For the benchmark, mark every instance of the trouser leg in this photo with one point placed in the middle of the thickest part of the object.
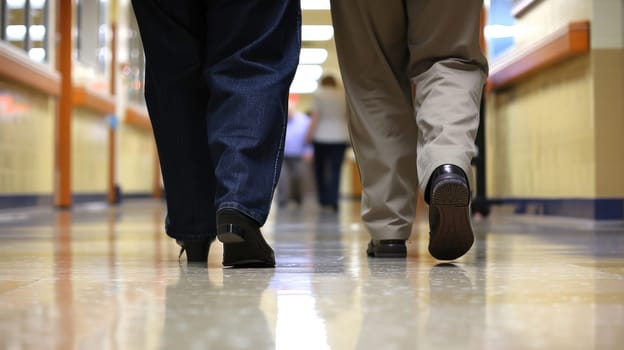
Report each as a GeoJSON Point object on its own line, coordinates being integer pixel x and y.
{"type": "Point", "coordinates": [290, 182]}
{"type": "Point", "coordinates": [448, 90]}
{"type": "Point", "coordinates": [334, 165]}
{"type": "Point", "coordinates": [252, 54]}
{"type": "Point", "coordinates": [319, 173]}
{"type": "Point", "coordinates": [383, 130]}
{"type": "Point", "coordinates": [219, 138]}
{"type": "Point", "coordinates": [283, 185]}
{"type": "Point", "coordinates": [176, 101]}
{"type": "Point", "coordinates": [296, 185]}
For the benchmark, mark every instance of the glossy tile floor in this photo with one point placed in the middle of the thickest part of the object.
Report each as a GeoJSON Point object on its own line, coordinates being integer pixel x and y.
{"type": "Point", "coordinates": [108, 278]}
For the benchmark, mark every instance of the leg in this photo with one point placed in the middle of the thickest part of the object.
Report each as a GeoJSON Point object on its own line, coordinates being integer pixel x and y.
{"type": "Point", "coordinates": [336, 158]}
{"type": "Point", "coordinates": [251, 58]}
{"type": "Point", "coordinates": [448, 91]}
{"type": "Point", "coordinates": [448, 94]}
{"type": "Point", "coordinates": [368, 34]}
{"type": "Point", "coordinates": [283, 185]}
{"type": "Point", "coordinates": [319, 173]}
{"type": "Point", "coordinates": [176, 100]}
{"type": "Point", "coordinates": [252, 54]}
{"type": "Point", "coordinates": [297, 167]}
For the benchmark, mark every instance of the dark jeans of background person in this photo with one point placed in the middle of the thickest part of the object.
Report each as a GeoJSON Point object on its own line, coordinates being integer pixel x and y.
{"type": "Point", "coordinates": [328, 158]}
{"type": "Point", "coordinates": [217, 80]}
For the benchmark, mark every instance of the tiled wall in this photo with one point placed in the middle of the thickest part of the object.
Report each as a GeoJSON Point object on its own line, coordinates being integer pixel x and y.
{"type": "Point", "coordinates": [27, 148]}
{"type": "Point", "coordinates": [608, 69]}
{"type": "Point", "coordinates": [558, 134]}
{"type": "Point", "coordinates": [26, 141]}
{"type": "Point", "coordinates": [548, 16]}
{"type": "Point", "coordinates": [89, 152]}
{"type": "Point", "coordinates": [540, 130]}
{"type": "Point", "coordinates": [136, 160]}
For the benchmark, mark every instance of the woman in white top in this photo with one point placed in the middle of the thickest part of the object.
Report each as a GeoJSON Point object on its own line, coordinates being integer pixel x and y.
{"type": "Point", "coordinates": [329, 134]}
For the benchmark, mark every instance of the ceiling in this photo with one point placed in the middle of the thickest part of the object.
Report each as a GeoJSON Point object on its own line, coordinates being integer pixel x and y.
{"type": "Point", "coordinates": [322, 17]}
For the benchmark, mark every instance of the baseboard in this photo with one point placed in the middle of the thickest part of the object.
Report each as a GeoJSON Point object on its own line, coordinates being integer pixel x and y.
{"type": "Point", "coordinates": [569, 223]}
{"type": "Point", "coordinates": [17, 201]}
{"type": "Point", "coordinates": [78, 198]}
{"type": "Point", "coordinates": [24, 200]}
{"type": "Point", "coordinates": [597, 209]}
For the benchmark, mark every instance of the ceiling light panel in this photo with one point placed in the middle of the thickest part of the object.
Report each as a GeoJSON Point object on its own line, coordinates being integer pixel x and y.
{"type": "Point", "coordinates": [312, 56]}
{"type": "Point", "coordinates": [316, 32]}
{"type": "Point", "coordinates": [315, 5]}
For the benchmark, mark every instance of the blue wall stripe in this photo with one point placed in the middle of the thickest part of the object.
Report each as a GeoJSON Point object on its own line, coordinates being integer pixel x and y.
{"type": "Point", "coordinates": [32, 200]}
{"type": "Point", "coordinates": [25, 200]}
{"type": "Point", "coordinates": [595, 209]}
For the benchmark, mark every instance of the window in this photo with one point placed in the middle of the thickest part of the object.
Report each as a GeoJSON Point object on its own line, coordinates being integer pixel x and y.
{"type": "Point", "coordinates": [25, 25]}
{"type": "Point", "coordinates": [134, 71]}
{"type": "Point", "coordinates": [499, 31]}
{"type": "Point", "coordinates": [91, 30]}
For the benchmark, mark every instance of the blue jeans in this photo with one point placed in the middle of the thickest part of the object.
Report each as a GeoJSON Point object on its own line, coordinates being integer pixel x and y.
{"type": "Point", "coordinates": [217, 80]}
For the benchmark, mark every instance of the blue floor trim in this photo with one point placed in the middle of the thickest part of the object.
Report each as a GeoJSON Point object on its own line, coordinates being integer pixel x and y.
{"type": "Point", "coordinates": [33, 200]}
{"type": "Point", "coordinates": [24, 200]}
{"type": "Point", "coordinates": [136, 196]}
{"type": "Point", "coordinates": [595, 209]}
{"type": "Point", "coordinates": [102, 197]}
{"type": "Point", "coordinates": [78, 198]}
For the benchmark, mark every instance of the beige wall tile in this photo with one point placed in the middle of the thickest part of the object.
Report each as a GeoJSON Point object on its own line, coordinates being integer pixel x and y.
{"type": "Point", "coordinates": [137, 152]}
{"type": "Point", "coordinates": [89, 152]}
{"type": "Point", "coordinates": [607, 24]}
{"type": "Point", "coordinates": [559, 133]}
{"type": "Point", "coordinates": [549, 16]}
{"type": "Point", "coordinates": [539, 130]}
{"type": "Point", "coordinates": [26, 141]}
{"type": "Point", "coordinates": [608, 70]}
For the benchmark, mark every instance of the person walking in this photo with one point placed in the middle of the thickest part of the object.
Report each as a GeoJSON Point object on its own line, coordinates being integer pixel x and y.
{"type": "Point", "coordinates": [413, 73]}
{"type": "Point", "coordinates": [217, 79]}
{"type": "Point", "coordinates": [296, 153]}
{"type": "Point", "coordinates": [330, 137]}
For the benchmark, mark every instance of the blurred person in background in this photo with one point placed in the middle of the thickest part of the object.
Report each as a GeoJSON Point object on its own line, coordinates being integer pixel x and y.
{"type": "Point", "coordinates": [217, 80]}
{"type": "Point", "coordinates": [297, 152]}
{"type": "Point", "coordinates": [330, 137]}
{"type": "Point", "coordinates": [407, 139]}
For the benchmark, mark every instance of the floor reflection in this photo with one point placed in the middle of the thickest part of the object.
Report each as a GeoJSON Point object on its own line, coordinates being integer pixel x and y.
{"type": "Point", "coordinates": [204, 311]}
{"type": "Point", "coordinates": [108, 277]}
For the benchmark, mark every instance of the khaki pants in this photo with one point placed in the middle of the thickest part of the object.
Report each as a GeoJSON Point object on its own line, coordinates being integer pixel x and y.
{"type": "Point", "coordinates": [399, 135]}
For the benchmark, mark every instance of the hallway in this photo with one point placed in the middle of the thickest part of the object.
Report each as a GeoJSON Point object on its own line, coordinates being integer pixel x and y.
{"type": "Point", "coordinates": [101, 277]}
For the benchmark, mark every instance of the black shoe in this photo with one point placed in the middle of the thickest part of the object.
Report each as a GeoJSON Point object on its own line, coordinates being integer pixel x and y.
{"type": "Point", "coordinates": [387, 248]}
{"type": "Point", "coordinates": [243, 244]}
{"type": "Point", "coordinates": [196, 251]}
{"type": "Point", "coordinates": [448, 196]}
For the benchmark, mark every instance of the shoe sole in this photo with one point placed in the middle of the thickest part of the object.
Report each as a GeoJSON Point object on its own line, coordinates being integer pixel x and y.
{"type": "Point", "coordinates": [387, 251]}
{"type": "Point", "coordinates": [454, 236]}
{"type": "Point", "coordinates": [245, 248]}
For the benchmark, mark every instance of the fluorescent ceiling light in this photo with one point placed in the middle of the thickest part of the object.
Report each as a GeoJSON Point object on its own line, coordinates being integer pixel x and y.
{"type": "Point", "coordinates": [312, 56]}
{"type": "Point", "coordinates": [306, 79]}
{"type": "Point", "coordinates": [303, 87]}
{"type": "Point", "coordinates": [315, 5]}
{"type": "Point", "coordinates": [308, 72]}
{"type": "Point", "coordinates": [316, 32]}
